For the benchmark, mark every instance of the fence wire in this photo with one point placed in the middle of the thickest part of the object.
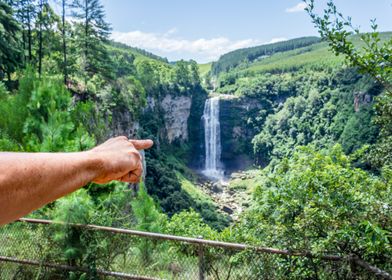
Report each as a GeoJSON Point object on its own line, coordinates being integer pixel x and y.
{"type": "Point", "coordinates": [55, 251]}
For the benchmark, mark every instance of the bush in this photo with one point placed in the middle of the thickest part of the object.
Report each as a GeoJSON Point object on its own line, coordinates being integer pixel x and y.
{"type": "Point", "coordinates": [318, 202]}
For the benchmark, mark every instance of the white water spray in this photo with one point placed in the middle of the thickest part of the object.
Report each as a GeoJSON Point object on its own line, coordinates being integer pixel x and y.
{"type": "Point", "coordinates": [213, 166]}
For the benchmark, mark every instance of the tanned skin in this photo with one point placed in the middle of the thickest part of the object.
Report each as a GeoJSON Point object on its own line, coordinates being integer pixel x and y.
{"type": "Point", "coordinates": [28, 181]}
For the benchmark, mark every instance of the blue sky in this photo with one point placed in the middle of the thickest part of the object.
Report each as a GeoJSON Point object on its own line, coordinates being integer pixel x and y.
{"type": "Point", "coordinates": [205, 29]}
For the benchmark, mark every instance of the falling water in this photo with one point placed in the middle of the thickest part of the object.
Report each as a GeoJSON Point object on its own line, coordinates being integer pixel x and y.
{"type": "Point", "coordinates": [213, 166]}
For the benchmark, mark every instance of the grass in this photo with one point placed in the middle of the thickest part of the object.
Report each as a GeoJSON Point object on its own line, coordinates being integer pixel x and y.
{"type": "Point", "coordinates": [192, 189]}
{"type": "Point", "coordinates": [317, 55]}
{"type": "Point", "coordinates": [253, 178]}
{"type": "Point", "coordinates": [129, 50]}
{"type": "Point", "coordinates": [204, 68]}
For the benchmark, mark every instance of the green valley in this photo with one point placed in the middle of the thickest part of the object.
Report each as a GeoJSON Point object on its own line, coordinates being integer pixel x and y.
{"type": "Point", "coordinates": [285, 146]}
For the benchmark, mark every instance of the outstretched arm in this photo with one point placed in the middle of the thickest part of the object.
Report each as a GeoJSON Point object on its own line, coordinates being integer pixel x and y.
{"type": "Point", "coordinates": [28, 181]}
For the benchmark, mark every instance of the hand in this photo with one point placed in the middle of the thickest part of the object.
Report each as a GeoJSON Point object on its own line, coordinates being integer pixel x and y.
{"type": "Point", "coordinates": [120, 160]}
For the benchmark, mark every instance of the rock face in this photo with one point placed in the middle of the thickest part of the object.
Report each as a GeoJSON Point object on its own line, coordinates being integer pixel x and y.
{"type": "Point", "coordinates": [176, 111]}
{"type": "Point", "coordinates": [124, 124]}
{"type": "Point", "coordinates": [178, 119]}
{"type": "Point", "coordinates": [361, 98]}
{"type": "Point", "coordinates": [236, 116]}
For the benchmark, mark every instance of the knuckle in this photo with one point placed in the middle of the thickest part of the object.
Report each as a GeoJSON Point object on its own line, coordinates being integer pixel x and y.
{"type": "Point", "coordinates": [136, 154]}
{"type": "Point", "coordinates": [121, 138]}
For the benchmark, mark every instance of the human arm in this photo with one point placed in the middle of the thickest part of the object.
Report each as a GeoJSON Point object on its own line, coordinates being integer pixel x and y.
{"type": "Point", "coordinates": [28, 181]}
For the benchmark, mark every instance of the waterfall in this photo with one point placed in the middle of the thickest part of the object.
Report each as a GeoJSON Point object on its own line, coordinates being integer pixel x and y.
{"type": "Point", "coordinates": [213, 166]}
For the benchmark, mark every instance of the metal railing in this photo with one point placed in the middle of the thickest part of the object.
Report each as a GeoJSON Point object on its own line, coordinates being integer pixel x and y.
{"type": "Point", "coordinates": [44, 249]}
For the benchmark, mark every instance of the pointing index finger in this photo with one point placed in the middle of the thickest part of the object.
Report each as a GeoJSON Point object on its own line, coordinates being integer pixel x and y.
{"type": "Point", "coordinates": [142, 144]}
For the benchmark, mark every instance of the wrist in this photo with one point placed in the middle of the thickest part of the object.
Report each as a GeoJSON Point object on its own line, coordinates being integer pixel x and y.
{"type": "Point", "coordinates": [94, 164]}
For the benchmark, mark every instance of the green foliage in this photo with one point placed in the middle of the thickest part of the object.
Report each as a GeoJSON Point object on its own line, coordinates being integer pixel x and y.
{"type": "Point", "coordinates": [374, 59]}
{"type": "Point", "coordinates": [10, 53]}
{"type": "Point", "coordinates": [49, 125]}
{"type": "Point", "coordinates": [164, 186]}
{"type": "Point", "coordinates": [147, 216]}
{"type": "Point", "coordinates": [242, 57]}
{"type": "Point", "coordinates": [323, 114]}
{"type": "Point", "coordinates": [139, 54]}
{"type": "Point", "coordinates": [76, 244]}
{"type": "Point", "coordinates": [375, 56]}
{"type": "Point", "coordinates": [189, 223]}
{"type": "Point", "coordinates": [90, 35]}
{"type": "Point", "coordinates": [147, 219]}
{"type": "Point", "coordinates": [318, 202]}
{"type": "Point", "coordinates": [13, 109]}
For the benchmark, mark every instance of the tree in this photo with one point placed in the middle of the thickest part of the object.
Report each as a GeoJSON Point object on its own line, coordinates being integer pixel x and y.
{"type": "Point", "coordinates": [92, 33]}
{"type": "Point", "coordinates": [374, 59]}
{"type": "Point", "coordinates": [26, 12]}
{"type": "Point", "coordinates": [42, 4]}
{"type": "Point", "coordinates": [317, 202]}
{"type": "Point", "coordinates": [64, 6]}
{"type": "Point", "coordinates": [148, 219]}
{"type": "Point", "coordinates": [181, 73]}
{"type": "Point", "coordinates": [194, 72]}
{"type": "Point", "coordinates": [10, 53]}
{"type": "Point", "coordinates": [375, 56]}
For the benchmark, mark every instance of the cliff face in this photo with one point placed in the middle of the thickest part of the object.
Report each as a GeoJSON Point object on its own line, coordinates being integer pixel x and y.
{"type": "Point", "coordinates": [123, 123]}
{"type": "Point", "coordinates": [172, 119]}
{"type": "Point", "coordinates": [176, 111]}
{"type": "Point", "coordinates": [177, 121]}
{"type": "Point", "coordinates": [236, 118]}
{"type": "Point", "coordinates": [172, 111]}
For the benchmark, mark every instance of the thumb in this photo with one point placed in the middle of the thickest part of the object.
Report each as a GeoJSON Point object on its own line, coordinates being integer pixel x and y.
{"type": "Point", "coordinates": [142, 144]}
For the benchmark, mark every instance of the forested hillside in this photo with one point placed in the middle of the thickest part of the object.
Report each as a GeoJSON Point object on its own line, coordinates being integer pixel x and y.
{"type": "Point", "coordinates": [306, 95]}
{"type": "Point", "coordinates": [242, 57]}
{"type": "Point", "coordinates": [65, 89]}
{"type": "Point", "coordinates": [319, 123]}
{"type": "Point", "coordinates": [305, 130]}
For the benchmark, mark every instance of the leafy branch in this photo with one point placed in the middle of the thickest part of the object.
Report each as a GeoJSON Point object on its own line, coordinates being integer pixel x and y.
{"type": "Point", "coordinates": [373, 58]}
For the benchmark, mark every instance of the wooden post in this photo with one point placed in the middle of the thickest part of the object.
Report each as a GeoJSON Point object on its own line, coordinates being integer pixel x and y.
{"type": "Point", "coordinates": [201, 260]}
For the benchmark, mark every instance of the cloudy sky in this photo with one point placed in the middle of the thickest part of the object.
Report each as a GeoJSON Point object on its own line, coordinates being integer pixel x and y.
{"type": "Point", "coordinates": [205, 29]}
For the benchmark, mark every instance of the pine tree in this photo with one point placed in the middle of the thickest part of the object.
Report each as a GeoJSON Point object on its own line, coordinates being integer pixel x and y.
{"type": "Point", "coordinates": [148, 219]}
{"type": "Point", "coordinates": [26, 11]}
{"type": "Point", "coordinates": [92, 34]}
{"type": "Point", "coordinates": [10, 54]}
{"type": "Point", "coordinates": [42, 3]}
{"type": "Point", "coordinates": [64, 5]}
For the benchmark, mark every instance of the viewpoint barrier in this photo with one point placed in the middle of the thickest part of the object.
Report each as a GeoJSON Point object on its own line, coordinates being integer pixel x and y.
{"type": "Point", "coordinates": [44, 249]}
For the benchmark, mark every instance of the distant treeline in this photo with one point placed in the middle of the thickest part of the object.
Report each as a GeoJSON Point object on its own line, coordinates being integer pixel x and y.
{"type": "Point", "coordinates": [140, 51]}
{"type": "Point", "coordinates": [235, 58]}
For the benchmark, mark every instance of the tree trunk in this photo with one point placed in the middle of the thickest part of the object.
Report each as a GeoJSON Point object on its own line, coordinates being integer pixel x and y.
{"type": "Point", "coordinates": [41, 6]}
{"type": "Point", "coordinates": [24, 45]}
{"type": "Point", "coordinates": [29, 36]}
{"type": "Point", "coordinates": [85, 41]}
{"type": "Point", "coordinates": [64, 45]}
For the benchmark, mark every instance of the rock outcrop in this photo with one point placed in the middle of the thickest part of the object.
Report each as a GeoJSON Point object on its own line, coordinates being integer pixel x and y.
{"type": "Point", "coordinates": [361, 98]}
{"type": "Point", "coordinates": [176, 111]}
{"type": "Point", "coordinates": [123, 123]}
{"type": "Point", "coordinates": [236, 115]}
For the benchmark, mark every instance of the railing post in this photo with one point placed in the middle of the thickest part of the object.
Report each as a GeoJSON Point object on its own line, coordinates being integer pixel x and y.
{"type": "Point", "coordinates": [201, 260]}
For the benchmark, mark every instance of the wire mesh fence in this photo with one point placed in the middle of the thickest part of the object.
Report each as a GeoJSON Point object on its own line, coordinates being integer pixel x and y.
{"type": "Point", "coordinates": [38, 249]}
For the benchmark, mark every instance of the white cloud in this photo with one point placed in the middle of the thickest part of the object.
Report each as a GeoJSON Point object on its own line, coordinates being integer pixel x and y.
{"type": "Point", "coordinates": [171, 31]}
{"type": "Point", "coordinates": [166, 44]}
{"type": "Point", "coordinates": [300, 7]}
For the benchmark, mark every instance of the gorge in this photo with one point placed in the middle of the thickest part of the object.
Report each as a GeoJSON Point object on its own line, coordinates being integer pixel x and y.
{"type": "Point", "coordinates": [285, 146]}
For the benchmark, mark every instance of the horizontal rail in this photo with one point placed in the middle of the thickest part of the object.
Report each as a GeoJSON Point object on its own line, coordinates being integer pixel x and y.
{"type": "Point", "coordinates": [220, 244]}
{"type": "Point", "coordinates": [75, 268]}
{"type": "Point", "coordinates": [211, 243]}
